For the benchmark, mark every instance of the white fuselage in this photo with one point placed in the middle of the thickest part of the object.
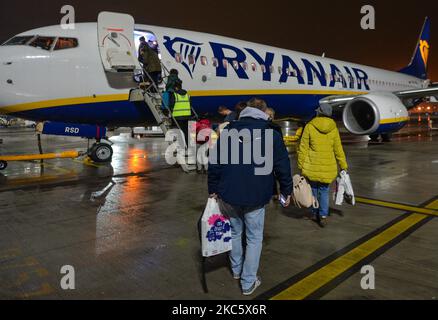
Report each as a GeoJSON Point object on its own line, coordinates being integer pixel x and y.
{"type": "Point", "coordinates": [71, 85]}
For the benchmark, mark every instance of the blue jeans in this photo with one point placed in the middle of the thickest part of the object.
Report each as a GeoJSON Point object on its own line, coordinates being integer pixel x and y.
{"type": "Point", "coordinates": [246, 266]}
{"type": "Point", "coordinates": [321, 192]}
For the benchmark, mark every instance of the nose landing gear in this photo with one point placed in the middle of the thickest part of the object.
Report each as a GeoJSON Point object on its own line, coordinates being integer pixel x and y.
{"type": "Point", "coordinates": [100, 152]}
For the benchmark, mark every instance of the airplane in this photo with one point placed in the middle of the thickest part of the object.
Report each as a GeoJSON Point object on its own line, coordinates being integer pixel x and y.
{"type": "Point", "coordinates": [80, 79]}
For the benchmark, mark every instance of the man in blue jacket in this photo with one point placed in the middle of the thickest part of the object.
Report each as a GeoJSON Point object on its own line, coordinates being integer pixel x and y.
{"type": "Point", "coordinates": [243, 184]}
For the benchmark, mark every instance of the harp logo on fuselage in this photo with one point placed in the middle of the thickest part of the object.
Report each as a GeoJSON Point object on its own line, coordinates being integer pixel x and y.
{"type": "Point", "coordinates": [184, 51]}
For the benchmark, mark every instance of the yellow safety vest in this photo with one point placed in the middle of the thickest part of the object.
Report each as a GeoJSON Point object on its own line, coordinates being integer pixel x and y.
{"type": "Point", "coordinates": [182, 106]}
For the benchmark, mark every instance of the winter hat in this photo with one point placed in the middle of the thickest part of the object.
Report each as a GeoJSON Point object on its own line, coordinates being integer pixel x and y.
{"type": "Point", "coordinates": [325, 109]}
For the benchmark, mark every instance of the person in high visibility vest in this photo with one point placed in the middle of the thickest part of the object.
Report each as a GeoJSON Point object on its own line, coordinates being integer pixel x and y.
{"type": "Point", "coordinates": [179, 103]}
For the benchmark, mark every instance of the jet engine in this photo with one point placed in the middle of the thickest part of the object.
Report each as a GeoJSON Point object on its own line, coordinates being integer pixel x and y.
{"type": "Point", "coordinates": [375, 113]}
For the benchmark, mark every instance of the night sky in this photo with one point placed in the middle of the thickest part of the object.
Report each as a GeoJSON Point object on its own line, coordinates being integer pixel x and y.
{"type": "Point", "coordinates": [310, 26]}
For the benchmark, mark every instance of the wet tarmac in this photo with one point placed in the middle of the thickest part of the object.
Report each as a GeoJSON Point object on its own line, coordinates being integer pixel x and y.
{"type": "Point", "coordinates": [129, 228]}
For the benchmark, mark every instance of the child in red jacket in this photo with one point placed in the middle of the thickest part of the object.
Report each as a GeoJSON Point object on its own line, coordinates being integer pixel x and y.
{"type": "Point", "coordinates": [203, 140]}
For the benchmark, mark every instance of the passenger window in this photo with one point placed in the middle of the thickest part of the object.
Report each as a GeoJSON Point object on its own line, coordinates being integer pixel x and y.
{"type": "Point", "coordinates": [18, 41]}
{"type": "Point", "coordinates": [66, 43]}
{"type": "Point", "coordinates": [178, 57]}
{"type": "Point", "coordinates": [253, 66]}
{"type": "Point", "coordinates": [263, 68]}
{"type": "Point", "coordinates": [244, 65]}
{"type": "Point", "coordinates": [215, 62]}
{"type": "Point", "coordinates": [204, 60]}
{"type": "Point", "coordinates": [271, 69]}
{"type": "Point", "coordinates": [42, 42]}
{"type": "Point", "coordinates": [225, 63]}
{"type": "Point", "coordinates": [191, 59]}
{"type": "Point", "coordinates": [280, 70]}
{"type": "Point", "coordinates": [235, 64]}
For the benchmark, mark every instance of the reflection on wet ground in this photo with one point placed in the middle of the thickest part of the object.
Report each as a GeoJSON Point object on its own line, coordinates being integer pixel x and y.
{"type": "Point", "coordinates": [129, 228]}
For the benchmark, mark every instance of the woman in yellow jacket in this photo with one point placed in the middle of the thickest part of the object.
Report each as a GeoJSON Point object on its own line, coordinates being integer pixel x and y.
{"type": "Point", "coordinates": [319, 152]}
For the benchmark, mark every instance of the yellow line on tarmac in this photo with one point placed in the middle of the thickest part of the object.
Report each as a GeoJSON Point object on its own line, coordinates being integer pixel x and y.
{"type": "Point", "coordinates": [327, 273]}
{"type": "Point", "coordinates": [36, 179]}
{"type": "Point", "coordinates": [87, 162]}
{"type": "Point", "coordinates": [58, 168]}
{"type": "Point", "coordinates": [330, 271]}
{"type": "Point", "coordinates": [398, 206]}
{"type": "Point", "coordinates": [433, 205]}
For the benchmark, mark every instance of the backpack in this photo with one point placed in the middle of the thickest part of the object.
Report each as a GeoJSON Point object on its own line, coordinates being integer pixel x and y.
{"type": "Point", "coordinates": [302, 193]}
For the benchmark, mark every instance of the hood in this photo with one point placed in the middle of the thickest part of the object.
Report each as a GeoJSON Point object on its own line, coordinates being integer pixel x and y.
{"type": "Point", "coordinates": [181, 92]}
{"type": "Point", "coordinates": [323, 124]}
{"type": "Point", "coordinates": [250, 112]}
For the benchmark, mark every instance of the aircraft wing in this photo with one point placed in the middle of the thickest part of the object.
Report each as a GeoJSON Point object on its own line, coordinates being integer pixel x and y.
{"type": "Point", "coordinates": [338, 100]}
{"type": "Point", "coordinates": [417, 93]}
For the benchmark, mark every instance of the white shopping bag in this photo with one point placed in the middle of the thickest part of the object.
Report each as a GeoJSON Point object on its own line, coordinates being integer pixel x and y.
{"type": "Point", "coordinates": [215, 230]}
{"type": "Point", "coordinates": [344, 189]}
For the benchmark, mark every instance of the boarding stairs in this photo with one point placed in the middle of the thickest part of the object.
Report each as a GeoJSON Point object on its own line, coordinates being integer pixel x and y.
{"type": "Point", "coordinates": [152, 95]}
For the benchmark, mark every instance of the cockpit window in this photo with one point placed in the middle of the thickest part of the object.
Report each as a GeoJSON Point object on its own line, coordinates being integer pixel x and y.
{"type": "Point", "coordinates": [42, 42]}
{"type": "Point", "coordinates": [66, 43]}
{"type": "Point", "coordinates": [18, 41]}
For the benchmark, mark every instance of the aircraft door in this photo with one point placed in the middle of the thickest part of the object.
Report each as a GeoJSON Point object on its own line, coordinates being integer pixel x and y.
{"type": "Point", "coordinates": [115, 33]}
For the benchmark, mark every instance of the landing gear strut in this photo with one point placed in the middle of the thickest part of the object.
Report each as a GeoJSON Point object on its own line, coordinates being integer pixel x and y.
{"type": "Point", "coordinates": [100, 152]}
{"type": "Point", "coordinates": [386, 137]}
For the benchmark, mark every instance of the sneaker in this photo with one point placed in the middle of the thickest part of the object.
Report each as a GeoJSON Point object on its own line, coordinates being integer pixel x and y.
{"type": "Point", "coordinates": [236, 276]}
{"type": "Point", "coordinates": [250, 291]}
{"type": "Point", "coordinates": [323, 221]}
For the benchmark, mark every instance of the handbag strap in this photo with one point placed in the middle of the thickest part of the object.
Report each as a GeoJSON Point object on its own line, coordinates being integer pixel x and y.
{"type": "Point", "coordinates": [296, 203]}
{"type": "Point", "coordinates": [315, 203]}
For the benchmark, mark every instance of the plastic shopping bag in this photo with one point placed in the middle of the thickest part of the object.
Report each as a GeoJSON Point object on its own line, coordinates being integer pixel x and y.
{"type": "Point", "coordinates": [215, 230]}
{"type": "Point", "coordinates": [338, 196]}
{"type": "Point", "coordinates": [344, 189]}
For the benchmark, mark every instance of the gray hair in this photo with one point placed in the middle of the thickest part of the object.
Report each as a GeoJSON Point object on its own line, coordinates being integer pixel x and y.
{"type": "Point", "coordinates": [258, 104]}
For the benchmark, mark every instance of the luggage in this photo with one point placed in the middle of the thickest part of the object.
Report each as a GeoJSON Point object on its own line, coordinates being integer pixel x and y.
{"type": "Point", "coordinates": [215, 230]}
{"type": "Point", "coordinates": [302, 193]}
{"type": "Point", "coordinates": [344, 189]}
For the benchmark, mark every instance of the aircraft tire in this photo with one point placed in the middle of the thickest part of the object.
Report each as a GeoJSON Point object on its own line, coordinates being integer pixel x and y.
{"type": "Point", "coordinates": [386, 137]}
{"type": "Point", "coordinates": [101, 152]}
{"type": "Point", "coordinates": [3, 165]}
{"type": "Point", "coordinates": [374, 137]}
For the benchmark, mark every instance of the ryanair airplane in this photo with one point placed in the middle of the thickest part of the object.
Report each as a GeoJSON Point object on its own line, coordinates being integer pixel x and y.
{"type": "Point", "coordinates": [84, 76]}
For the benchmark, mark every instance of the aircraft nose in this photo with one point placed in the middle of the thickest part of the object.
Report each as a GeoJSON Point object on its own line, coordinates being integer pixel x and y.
{"type": "Point", "coordinates": [8, 70]}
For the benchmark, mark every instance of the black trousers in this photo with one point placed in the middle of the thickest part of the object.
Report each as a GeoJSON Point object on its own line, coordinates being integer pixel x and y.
{"type": "Point", "coordinates": [184, 123]}
{"type": "Point", "coordinates": [155, 76]}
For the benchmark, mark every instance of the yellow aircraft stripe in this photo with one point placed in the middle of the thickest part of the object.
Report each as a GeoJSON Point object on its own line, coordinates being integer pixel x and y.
{"type": "Point", "coordinates": [120, 97]}
{"type": "Point", "coordinates": [324, 275]}
{"type": "Point", "coordinates": [397, 206]}
{"type": "Point", "coordinates": [394, 120]}
{"type": "Point", "coordinates": [63, 102]}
